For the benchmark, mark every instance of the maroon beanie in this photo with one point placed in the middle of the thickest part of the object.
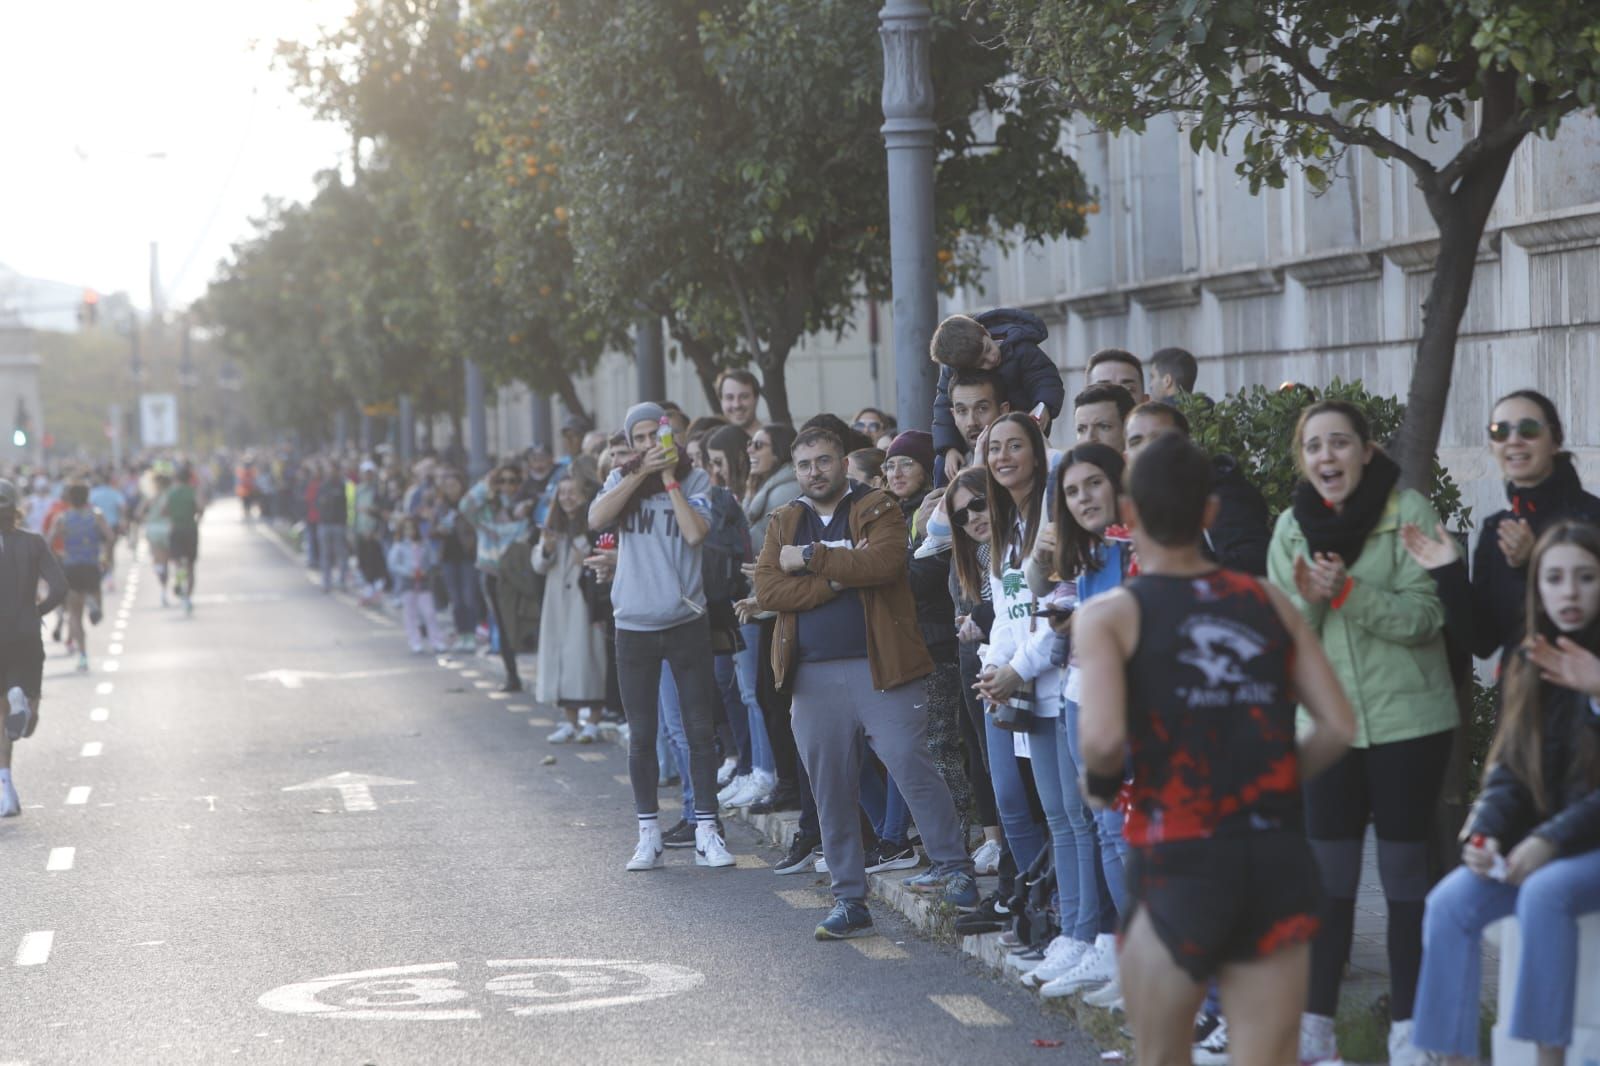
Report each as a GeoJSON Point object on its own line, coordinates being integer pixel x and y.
{"type": "Point", "coordinates": [915, 444]}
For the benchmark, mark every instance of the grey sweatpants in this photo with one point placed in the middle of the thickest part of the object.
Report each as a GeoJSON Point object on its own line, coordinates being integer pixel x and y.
{"type": "Point", "coordinates": [836, 714]}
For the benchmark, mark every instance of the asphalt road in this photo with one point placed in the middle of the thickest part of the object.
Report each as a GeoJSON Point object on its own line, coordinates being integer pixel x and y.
{"type": "Point", "coordinates": [165, 898]}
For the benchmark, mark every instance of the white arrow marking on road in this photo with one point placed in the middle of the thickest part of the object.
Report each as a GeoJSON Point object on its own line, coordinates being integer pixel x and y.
{"type": "Point", "coordinates": [354, 789]}
{"type": "Point", "coordinates": [298, 678]}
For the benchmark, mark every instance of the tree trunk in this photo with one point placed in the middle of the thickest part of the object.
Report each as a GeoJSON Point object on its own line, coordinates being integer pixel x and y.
{"type": "Point", "coordinates": [568, 391]}
{"type": "Point", "coordinates": [775, 387]}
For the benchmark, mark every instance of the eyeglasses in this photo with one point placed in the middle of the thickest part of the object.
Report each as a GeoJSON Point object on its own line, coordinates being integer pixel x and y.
{"type": "Point", "coordinates": [976, 505]}
{"type": "Point", "coordinates": [896, 466]}
{"type": "Point", "coordinates": [1526, 428]}
{"type": "Point", "coordinates": [867, 425]}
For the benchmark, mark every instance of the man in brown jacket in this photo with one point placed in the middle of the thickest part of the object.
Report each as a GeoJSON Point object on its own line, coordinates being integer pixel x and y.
{"type": "Point", "coordinates": [847, 645]}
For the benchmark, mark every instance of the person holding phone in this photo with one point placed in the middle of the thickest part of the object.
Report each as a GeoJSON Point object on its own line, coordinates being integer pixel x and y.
{"type": "Point", "coordinates": [661, 509]}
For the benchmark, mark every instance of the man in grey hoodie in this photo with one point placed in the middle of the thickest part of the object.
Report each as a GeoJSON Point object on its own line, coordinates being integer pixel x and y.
{"type": "Point", "coordinates": [25, 560]}
{"type": "Point", "coordinates": [659, 505]}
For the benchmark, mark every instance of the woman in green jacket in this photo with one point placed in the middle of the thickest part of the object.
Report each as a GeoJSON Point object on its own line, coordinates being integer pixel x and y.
{"type": "Point", "coordinates": [1338, 554]}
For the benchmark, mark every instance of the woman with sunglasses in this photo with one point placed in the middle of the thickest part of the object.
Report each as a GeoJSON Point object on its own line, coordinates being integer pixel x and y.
{"type": "Point", "coordinates": [499, 520]}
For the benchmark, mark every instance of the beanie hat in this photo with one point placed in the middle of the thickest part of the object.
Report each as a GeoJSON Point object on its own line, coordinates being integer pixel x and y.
{"type": "Point", "coordinates": [640, 412]}
{"type": "Point", "coordinates": [915, 444]}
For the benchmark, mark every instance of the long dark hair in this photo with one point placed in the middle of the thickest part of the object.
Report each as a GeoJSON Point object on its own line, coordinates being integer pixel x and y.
{"type": "Point", "coordinates": [558, 521]}
{"type": "Point", "coordinates": [963, 549]}
{"type": "Point", "coordinates": [1075, 546]}
{"type": "Point", "coordinates": [780, 438]}
{"type": "Point", "coordinates": [1519, 742]}
{"type": "Point", "coordinates": [1003, 509]}
{"type": "Point", "coordinates": [733, 443]}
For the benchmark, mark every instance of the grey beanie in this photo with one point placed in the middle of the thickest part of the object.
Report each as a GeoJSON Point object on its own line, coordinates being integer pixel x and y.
{"type": "Point", "coordinates": [640, 412]}
{"type": "Point", "coordinates": [8, 493]}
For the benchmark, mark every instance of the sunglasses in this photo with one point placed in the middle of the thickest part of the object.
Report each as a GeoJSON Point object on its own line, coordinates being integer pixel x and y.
{"type": "Point", "coordinates": [1526, 428]}
{"type": "Point", "coordinates": [867, 426]}
{"type": "Point", "coordinates": [758, 446]}
{"type": "Point", "coordinates": [976, 505]}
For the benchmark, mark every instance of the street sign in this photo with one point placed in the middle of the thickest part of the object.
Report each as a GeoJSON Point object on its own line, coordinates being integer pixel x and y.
{"type": "Point", "coordinates": [158, 420]}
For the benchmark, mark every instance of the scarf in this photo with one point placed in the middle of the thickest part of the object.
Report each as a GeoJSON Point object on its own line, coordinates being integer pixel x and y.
{"type": "Point", "coordinates": [1549, 500]}
{"type": "Point", "coordinates": [1344, 533]}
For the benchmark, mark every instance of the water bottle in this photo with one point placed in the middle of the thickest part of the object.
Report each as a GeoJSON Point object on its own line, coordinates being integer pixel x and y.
{"type": "Point", "coordinates": [664, 438]}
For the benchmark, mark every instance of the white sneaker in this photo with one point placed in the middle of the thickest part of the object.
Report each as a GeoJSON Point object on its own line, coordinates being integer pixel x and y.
{"type": "Point", "coordinates": [648, 855]}
{"type": "Point", "coordinates": [10, 804]}
{"type": "Point", "coordinates": [624, 734]}
{"type": "Point", "coordinates": [754, 790]}
{"type": "Point", "coordinates": [588, 733]}
{"type": "Point", "coordinates": [821, 865]}
{"type": "Point", "coordinates": [732, 789]}
{"type": "Point", "coordinates": [1060, 957]}
{"type": "Point", "coordinates": [563, 734]}
{"type": "Point", "coordinates": [709, 850]}
{"type": "Point", "coordinates": [986, 860]}
{"type": "Point", "coordinates": [725, 771]}
{"type": "Point", "coordinates": [1318, 1041]}
{"type": "Point", "coordinates": [21, 712]}
{"type": "Point", "coordinates": [1402, 1052]}
{"type": "Point", "coordinates": [1098, 965]}
{"type": "Point", "coordinates": [1108, 997]}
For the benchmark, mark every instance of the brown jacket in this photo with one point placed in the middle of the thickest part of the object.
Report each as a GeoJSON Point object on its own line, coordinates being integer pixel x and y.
{"type": "Point", "coordinates": [894, 644]}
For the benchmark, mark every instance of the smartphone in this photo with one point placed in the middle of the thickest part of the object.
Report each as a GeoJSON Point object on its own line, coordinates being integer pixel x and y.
{"type": "Point", "coordinates": [1039, 409]}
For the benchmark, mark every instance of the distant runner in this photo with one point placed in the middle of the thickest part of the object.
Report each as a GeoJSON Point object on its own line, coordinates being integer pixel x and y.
{"type": "Point", "coordinates": [25, 560]}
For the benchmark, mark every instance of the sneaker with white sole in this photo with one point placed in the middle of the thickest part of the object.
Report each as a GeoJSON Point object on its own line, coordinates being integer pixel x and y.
{"type": "Point", "coordinates": [1212, 1048]}
{"type": "Point", "coordinates": [986, 860]}
{"type": "Point", "coordinates": [588, 733]}
{"type": "Point", "coordinates": [1024, 959]}
{"type": "Point", "coordinates": [709, 850]}
{"type": "Point", "coordinates": [648, 855]}
{"type": "Point", "coordinates": [1319, 1043]}
{"type": "Point", "coordinates": [10, 804]}
{"type": "Point", "coordinates": [732, 789]}
{"type": "Point", "coordinates": [1062, 954]}
{"type": "Point", "coordinates": [725, 771]}
{"type": "Point", "coordinates": [1108, 998]}
{"type": "Point", "coordinates": [19, 723]}
{"type": "Point", "coordinates": [565, 734]}
{"type": "Point", "coordinates": [1098, 965]}
{"type": "Point", "coordinates": [821, 865]}
{"type": "Point", "coordinates": [1403, 1052]}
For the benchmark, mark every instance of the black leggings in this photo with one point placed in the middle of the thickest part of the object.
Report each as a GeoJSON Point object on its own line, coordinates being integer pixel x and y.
{"type": "Point", "coordinates": [508, 650]}
{"type": "Point", "coordinates": [1397, 787]}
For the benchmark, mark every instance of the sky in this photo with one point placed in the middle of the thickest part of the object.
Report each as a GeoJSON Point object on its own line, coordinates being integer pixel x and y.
{"type": "Point", "coordinates": [162, 120]}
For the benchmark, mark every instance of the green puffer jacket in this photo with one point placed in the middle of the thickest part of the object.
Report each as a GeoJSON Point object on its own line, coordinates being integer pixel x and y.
{"type": "Point", "coordinates": [1386, 642]}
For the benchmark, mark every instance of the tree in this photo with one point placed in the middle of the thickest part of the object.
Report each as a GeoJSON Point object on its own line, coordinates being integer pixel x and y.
{"type": "Point", "coordinates": [724, 168]}
{"type": "Point", "coordinates": [1306, 80]}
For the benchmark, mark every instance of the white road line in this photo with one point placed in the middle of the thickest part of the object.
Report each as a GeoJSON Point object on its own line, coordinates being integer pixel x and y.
{"type": "Point", "coordinates": [110, 666]}
{"type": "Point", "coordinates": [540, 723]}
{"type": "Point", "coordinates": [114, 649]}
{"type": "Point", "coordinates": [519, 708]}
{"type": "Point", "coordinates": [970, 1010]}
{"type": "Point", "coordinates": [35, 948]}
{"type": "Point", "coordinates": [483, 684]}
{"type": "Point", "coordinates": [470, 673]}
{"type": "Point", "coordinates": [99, 714]}
{"type": "Point", "coordinates": [78, 796]}
{"type": "Point", "coordinates": [60, 860]}
{"type": "Point", "coordinates": [805, 899]}
{"type": "Point", "coordinates": [877, 947]}
{"type": "Point", "coordinates": [592, 756]}
{"type": "Point", "coordinates": [622, 779]}
{"type": "Point", "coordinates": [104, 688]}
{"type": "Point", "coordinates": [91, 749]}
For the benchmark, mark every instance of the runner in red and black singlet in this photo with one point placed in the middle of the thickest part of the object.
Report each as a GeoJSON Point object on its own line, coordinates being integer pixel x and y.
{"type": "Point", "coordinates": [1190, 675]}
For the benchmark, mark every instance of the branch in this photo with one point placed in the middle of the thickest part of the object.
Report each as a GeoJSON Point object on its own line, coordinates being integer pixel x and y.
{"type": "Point", "coordinates": [1505, 136]}
{"type": "Point", "coordinates": [1365, 136]}
{"type": "Point", "coordinates": [752, 336]}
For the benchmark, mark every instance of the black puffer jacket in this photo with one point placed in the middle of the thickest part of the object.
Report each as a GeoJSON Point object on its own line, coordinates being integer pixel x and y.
{"type": "Point", "coordinates": [936, 611]}
{"type": "Point", "coordinates": [1499, 590]}
{"type": "Point", "coordinates": [1240, 537]}
{"type": "Point", "coordinates": [1506, 809]}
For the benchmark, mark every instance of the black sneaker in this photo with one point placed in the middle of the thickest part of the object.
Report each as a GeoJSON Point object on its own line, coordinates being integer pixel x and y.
{"type": "Point", "coordinates": [512, 685]}
{"type": "Point", "coordinates": [94, 611]}
{"type": "Point", "coordinates": [782, 799]}
{"type": "Point", "coordinates": [679, 836]}
{"type": "Point", "coordinates": [798, 860]}
{"type": "Point", "coordinates": [990, 916]}
{"type": "Point", "coordinates": [887, 856]}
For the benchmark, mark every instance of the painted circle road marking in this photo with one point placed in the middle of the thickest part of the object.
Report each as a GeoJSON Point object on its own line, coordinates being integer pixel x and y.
{"type": "Point", "coordinates": [537, 986]}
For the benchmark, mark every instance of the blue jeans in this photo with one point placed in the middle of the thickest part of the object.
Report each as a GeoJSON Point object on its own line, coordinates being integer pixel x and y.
{"type": "Point", "coordinates": [1023, 834]}
{"type": "Point", "coordinates": [461, 584]}
{"type": "Point", "coordinates": [747, 669]}
{"type": "Point", "coordinates": [1072, 830]}
{"type": "Point", "coordinates": [1547, 906]}
{"type": "Point", "coordinates": [676, 741]}
{"type": "Point", "coordinates": [885, 808]}
{"type": "Point", "coordinates": [1108, 824]}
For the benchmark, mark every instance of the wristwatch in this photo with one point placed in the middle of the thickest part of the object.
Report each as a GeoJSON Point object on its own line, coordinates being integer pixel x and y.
{"type": "Point", "coordinates": [806, 553]}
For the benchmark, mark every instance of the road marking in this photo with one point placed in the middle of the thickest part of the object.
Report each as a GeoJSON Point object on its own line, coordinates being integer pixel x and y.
{"type": "Point", "coordinates": [78, 795]}
{"type": "Point", "coordinates": [751, 862]}
{"type": "Point", "coordinates": [104, 688]}
{"type": "Point", "coordinates": [372, 988]}
{"type": "Point", "coordinates": [355, 790]}
{"type": "Point", "coordinates": [470, 673]}
{"type": "Point", "coordinates": [60, 860]}
{"type": "Point", "coordinates": [805, 899]}
{"type": "Point", "coordinates": [879, 948]}
{"type": "Point", "coordinates": [110, 666]}
{"type": "Point", "coordinates": [91, 749]}
{"type": "Point", "coordinates": [622, 779]}
{"type": "Point", "coordinates": [540, 722]}
{"type": "Point", "coordinates": [483, 684]}
{"type": "Point", "coordinates": [298, 678]}
{"type": "Point", "coordinates": [99, 714]}
{"type": "Point", "coordinates": [114, 649]}
{"type": "Point", "coordinates": [592, 756]}
{"type": "Point", "coordinates": [519, 708]}
{"type": "Point", "coordinates": [35, 948]}
{"type": "Point", "coordinates": [499, 695]}
{"type": "Point", "coordinates": [970, 1010]}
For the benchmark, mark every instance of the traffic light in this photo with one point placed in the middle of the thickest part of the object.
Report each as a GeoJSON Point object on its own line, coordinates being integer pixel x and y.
{"type": "Point", "coordinates": [89, 308]}
{"type": "Point", "coordinates": [21, 426]}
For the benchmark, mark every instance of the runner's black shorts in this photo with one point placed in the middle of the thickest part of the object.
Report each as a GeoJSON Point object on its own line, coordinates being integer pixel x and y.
{"type": "Point", "coordinates": [22, 666]}
{"type": "Point", "coordinates": [1226, 899]}
{"type": "Point", "coordinates": [184, 543]}
{"type": "Point", "coordinates": [84, 578]}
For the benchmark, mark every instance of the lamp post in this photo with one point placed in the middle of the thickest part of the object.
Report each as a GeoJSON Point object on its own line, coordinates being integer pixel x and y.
{"type": "Point", "coordinates": [908, 131]}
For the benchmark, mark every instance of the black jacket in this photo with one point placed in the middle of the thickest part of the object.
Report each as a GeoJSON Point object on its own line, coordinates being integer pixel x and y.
{"type": "Point", "coordinates": [25, 560]}
{"type": "Point", "coordinates": [1029, 374]}
{"type": "Point", "coordinates": [1499, 591]}
{"type": "Point", "coordinates": [1239, 538]}
{"type": "Point", "coordinates": [936, 611]}
{"type": "Point", "coordinates": [1506, 809]}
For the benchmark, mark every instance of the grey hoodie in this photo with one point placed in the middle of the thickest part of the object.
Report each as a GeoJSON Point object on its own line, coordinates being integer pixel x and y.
{"type": "Point", "coordinates": [781, 488]}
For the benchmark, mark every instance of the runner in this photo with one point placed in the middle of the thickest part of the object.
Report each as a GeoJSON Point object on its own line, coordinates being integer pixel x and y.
{"type": "Point", "coordinates": [25, 560]}
{"type": "Point", "coordinates": [1222, 881]}
{"type": "Point", "coordinates": [182, 509]}
{"type": "Point", "coordinates": [157, 526]}
{"type": "Point", "coordinates": [108, 500]}
{"type": "Point", "coordinates": [86, 540]}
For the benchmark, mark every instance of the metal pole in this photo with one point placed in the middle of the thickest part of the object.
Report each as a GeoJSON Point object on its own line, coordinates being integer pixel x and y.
{"type": "Point", "coordinates": [477, 423]}
{"type": "Point", "coordinates": [364, 434]}
{"type": "Point", "coordinates": [543, 425]}
{"type": "Point", "coordinates": [908, 132]}
{"type": "Point", "coordinates": [650, 360]}
{"type": "Point", "coordinates": [406, 429]}
{"type": "Point", "coordinates": [341, 431]}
